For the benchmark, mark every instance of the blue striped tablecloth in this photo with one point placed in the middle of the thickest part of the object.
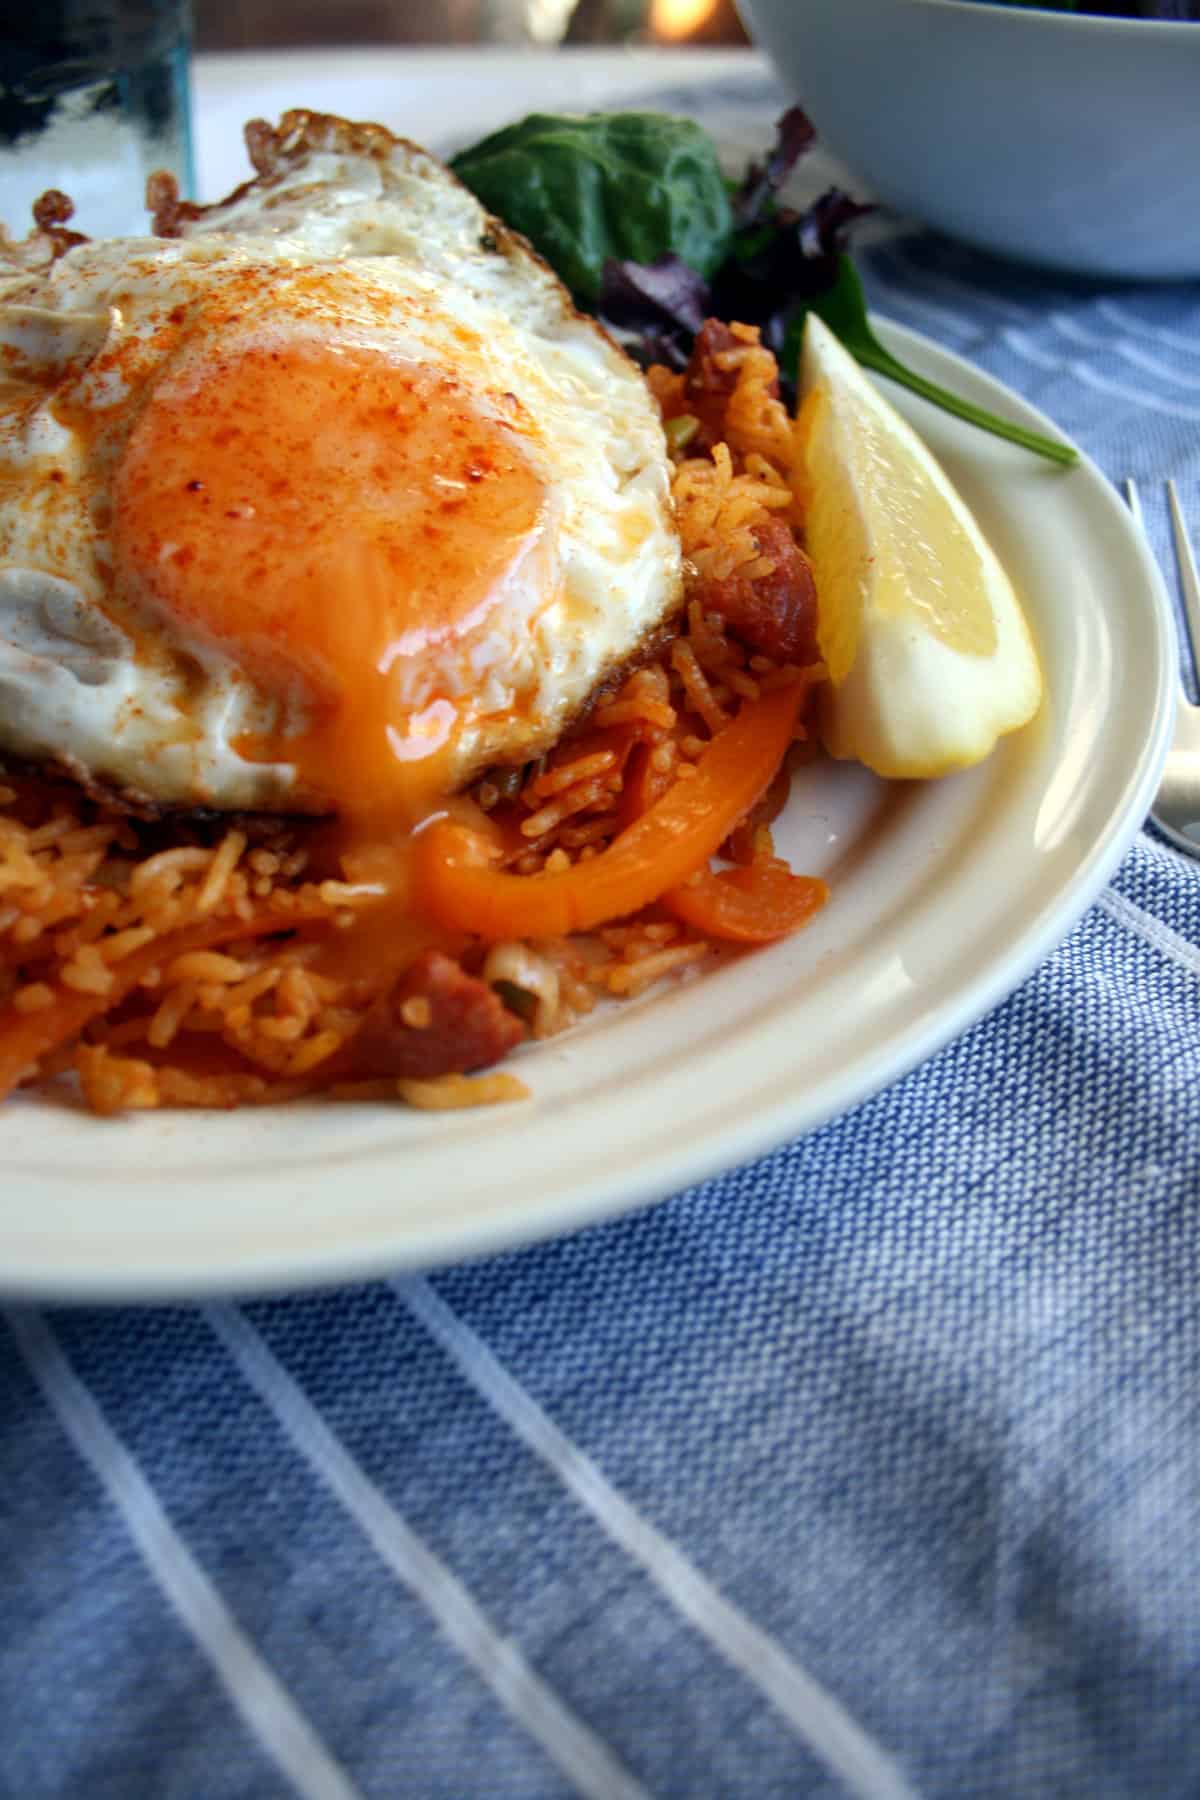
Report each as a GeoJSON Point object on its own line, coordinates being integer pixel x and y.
{"type": "Point", "coordinates": [870, 1469]}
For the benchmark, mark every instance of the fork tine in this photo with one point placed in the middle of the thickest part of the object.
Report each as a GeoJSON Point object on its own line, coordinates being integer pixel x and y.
{"type": "Point", "coordinates": [1189, 580]}
{"type": "Point", "coordinates": [1134, 502]}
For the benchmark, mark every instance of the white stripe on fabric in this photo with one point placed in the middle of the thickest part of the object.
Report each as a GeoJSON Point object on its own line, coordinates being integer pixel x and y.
{"type": "Point", "coordinates": [816, 1715]}
{"type": "Point", "coordinates": [1071, 328]}
{"type": "Point", "coordinates": [965, 324]}
{"type": "Point", "coordinates": [1150, 365]}
{"type": "Point", "coordinates": [1080, 372]}
{"type": "Point", "coordinates": [1157, 334]}
{"type": "Point", "coordinates": [254, 1691]}
{"type": "Point", "coordinates": [582, 1757]}
{"type": "Point", "coordinates": [1062, 322]}
{"type": "Point", "coordinates": [1161, 936]}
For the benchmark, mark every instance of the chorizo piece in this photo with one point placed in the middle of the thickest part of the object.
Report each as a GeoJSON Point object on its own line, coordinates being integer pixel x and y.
{"type": "Point", "coordinates": [774, 612]}
{"type": "Point", "coordinates": [435, 1020]}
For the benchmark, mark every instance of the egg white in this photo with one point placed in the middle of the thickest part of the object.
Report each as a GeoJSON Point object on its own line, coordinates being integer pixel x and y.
{"type": "Point", "coordinates": [366, 243]}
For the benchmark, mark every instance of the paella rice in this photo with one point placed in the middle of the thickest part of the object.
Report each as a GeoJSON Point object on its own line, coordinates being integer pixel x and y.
{"type": "Point", "coordinates": [200, 962]}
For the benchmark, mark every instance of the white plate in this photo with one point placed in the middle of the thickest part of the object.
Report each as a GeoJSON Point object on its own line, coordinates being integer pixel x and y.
{"type": "Point", "coordinates": [944, 896]}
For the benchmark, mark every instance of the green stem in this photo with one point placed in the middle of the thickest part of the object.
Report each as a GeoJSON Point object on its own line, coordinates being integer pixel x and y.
{"type": "Point", "coordinates": [843, 306]}
{"type": "Point", "coordinates": [872, 355]}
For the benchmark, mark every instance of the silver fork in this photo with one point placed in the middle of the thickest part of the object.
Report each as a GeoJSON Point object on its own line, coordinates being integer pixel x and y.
{"type": "Point", "coordinates": [1176, 808]}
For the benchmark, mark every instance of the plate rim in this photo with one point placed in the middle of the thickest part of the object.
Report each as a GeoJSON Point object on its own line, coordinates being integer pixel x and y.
{"type": "Point", "coordinates": [665, 1171]}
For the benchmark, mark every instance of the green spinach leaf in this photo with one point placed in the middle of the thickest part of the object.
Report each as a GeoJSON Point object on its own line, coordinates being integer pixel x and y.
{"type": "Point", "coordinates": [630, 186]}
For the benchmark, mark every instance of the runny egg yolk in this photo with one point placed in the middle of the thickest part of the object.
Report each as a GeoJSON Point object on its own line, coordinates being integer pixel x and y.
{"type": "Point", "coordinates": [325, 516]}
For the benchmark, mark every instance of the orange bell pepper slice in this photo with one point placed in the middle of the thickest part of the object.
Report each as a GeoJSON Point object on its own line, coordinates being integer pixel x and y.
{"type": "Point", "coordinates": [455, 886]}
{"type": "Point", "coordinates": [753, 904]}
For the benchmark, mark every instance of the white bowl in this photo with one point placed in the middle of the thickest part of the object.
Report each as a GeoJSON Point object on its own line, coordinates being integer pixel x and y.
{"type": "Point", "coordinates": [1063, 139]}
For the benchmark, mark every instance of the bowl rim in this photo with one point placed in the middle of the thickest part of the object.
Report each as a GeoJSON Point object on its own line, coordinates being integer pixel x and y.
{"type": "Point", "coordinates": [1047, 18]}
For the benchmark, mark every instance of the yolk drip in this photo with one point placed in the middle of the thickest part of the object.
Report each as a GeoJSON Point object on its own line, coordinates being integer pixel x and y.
{"type": "Point", "coordinates": [324, 515]}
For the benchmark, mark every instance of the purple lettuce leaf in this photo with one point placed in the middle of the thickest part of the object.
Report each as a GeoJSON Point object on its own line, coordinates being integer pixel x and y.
{"type": "Point", "coordinates": [753, 201]}
{"type": "Point", "coordinates": [779, 261]}
{"type": "Point", "coordinates": [654, 309]}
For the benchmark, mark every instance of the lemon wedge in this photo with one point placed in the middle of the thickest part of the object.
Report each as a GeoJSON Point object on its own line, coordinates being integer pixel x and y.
{"type": "Point", "coordinates": [929, 656]}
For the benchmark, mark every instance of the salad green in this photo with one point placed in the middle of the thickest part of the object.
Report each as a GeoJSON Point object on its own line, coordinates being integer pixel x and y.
{"type": "Point", "coordinates": [584, 191]}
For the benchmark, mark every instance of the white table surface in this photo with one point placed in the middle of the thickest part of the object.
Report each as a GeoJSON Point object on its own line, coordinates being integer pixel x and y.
{"type": "Point", "coordinates": [439, 98]}
{"type": "Point", "coordinates": [444, 99]}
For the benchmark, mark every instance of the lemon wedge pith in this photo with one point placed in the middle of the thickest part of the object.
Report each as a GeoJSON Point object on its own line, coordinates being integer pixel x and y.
{"type": "Point", "coordinates": [930, 659]}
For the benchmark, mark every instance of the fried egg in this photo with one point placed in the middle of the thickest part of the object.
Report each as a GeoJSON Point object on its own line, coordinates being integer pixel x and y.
{"type": "Point", "coordinates": [324, 503]}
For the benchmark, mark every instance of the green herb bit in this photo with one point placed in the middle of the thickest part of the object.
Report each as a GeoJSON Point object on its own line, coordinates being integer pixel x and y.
{"type": "Point", "coordinates": [680, 431]}
{"type": "Point", "coordinates": [517, 999]}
